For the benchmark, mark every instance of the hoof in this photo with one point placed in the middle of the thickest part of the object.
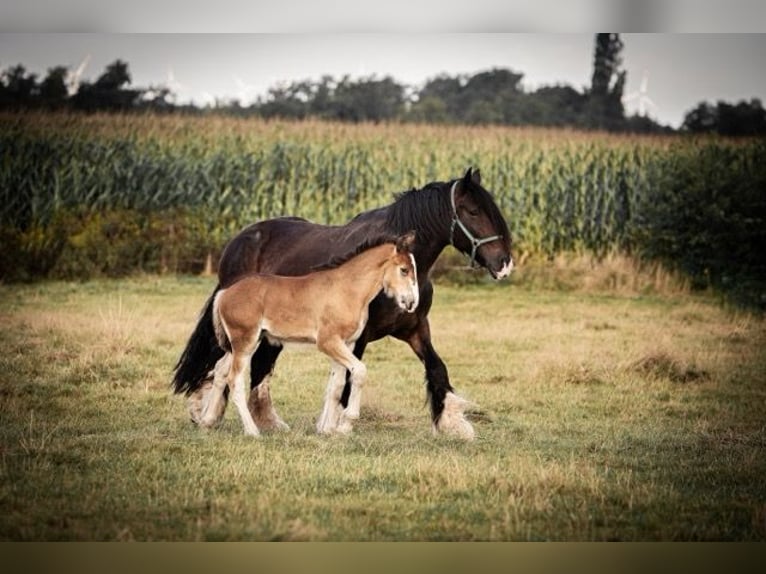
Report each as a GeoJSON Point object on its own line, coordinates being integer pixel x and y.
{"type": "Point", "coordinates": [274, 426]}
{"type": "Point", "coordinates": [345, 425]}
{"type": "Point", "coordinates": [452, 421]}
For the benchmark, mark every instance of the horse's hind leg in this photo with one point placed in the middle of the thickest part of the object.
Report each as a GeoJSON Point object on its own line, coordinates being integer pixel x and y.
{"type": "Point", "coordinates": [259, 403]}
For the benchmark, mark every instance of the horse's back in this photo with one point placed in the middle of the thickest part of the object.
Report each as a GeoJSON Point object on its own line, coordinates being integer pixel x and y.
{"type": "Point", "coordinates": [289, 246]}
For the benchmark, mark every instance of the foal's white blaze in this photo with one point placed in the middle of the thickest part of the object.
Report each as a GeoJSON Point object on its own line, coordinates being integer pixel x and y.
{"type": "Point", "coordinates": [414, 285]}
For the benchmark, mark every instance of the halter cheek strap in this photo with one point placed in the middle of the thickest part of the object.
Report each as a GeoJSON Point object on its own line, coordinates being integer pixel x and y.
{"type": "Point", "coordinates": [475, 243]}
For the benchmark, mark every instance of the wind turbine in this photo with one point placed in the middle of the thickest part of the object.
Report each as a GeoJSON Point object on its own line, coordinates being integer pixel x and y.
{"type": "Point", "coordinates": [246, 93]}
{"type": "Point", "coordinates": [642, 96]}
{"type": "Point", "coordinates": [73, 78]}
{"type": "Point", "coordinates": [173, 86]}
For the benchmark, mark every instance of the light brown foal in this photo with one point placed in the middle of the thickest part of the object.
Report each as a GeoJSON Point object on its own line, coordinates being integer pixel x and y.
{"type": "Point", "coordinates": [328, 307]}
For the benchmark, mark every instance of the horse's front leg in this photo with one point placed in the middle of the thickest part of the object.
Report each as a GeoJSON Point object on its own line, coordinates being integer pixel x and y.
{"type": "Point", "coordinates": [447, 408]}
{"type": "Point", "coordinates": [259, 402]}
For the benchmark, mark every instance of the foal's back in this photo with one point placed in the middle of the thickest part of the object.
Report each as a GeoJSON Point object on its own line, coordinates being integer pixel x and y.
{"type": "Point", "coordinates": [301, 308]}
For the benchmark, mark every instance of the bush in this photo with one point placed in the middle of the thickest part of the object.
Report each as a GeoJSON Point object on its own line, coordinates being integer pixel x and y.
{"type": "Point", "coordinates": [706, 216]}
{"type": "Point", "coordinates": [115, 243]}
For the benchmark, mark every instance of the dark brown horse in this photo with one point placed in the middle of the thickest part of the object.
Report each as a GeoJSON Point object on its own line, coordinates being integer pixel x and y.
{"type": "Point", "coordinates": [459, 212]}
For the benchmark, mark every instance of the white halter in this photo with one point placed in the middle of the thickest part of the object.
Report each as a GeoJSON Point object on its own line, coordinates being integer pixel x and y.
{"type": "Point", "coordinates": [475, 243]}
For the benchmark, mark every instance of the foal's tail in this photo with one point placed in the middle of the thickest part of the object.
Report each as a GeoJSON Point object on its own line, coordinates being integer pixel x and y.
{"type": "Point", "coordinates": [218, 328]}
{"type": "Point", "coordinates": [201, 354]}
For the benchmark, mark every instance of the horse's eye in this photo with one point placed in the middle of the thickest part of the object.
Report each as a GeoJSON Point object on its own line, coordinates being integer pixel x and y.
{"type": "Point", "coordinates": [473, 212]}
{"type": "Point", "coordinates": [404, 271]}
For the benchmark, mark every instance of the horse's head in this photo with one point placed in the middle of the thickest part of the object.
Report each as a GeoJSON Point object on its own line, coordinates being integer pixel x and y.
{"type": "Point", "coordinates": [400, 278]}
{"type": "Point", "coordinates": [478, 228]}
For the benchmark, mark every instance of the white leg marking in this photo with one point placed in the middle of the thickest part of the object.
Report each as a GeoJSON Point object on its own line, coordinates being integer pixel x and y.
{"type": "Point", "coordinates": [328, 420]}
{"type": "Point", "coordinates": [213, 404]}
{"type": "Point", "coordinates": [351, 412]}
{"type": "Point", "coordinates": [240, 401]}
{"type": "Point", "coordinates": [196, 401]}
{"type": "Point", "coordinates": [358, 378]}
{"type": "Point", "coordinates": [453, 421]}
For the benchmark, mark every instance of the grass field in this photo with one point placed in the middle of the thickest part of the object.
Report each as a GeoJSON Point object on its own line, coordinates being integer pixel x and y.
{"type": "Point", "coordinates": [599, 415]}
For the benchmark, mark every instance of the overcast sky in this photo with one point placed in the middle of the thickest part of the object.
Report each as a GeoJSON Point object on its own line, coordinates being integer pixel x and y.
{"type": "Point", "coordinates": [682, 69]}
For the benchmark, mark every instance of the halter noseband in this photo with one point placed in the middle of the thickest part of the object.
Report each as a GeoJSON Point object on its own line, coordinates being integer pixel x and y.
{"type": "Point", "coordinates": [475, 243]}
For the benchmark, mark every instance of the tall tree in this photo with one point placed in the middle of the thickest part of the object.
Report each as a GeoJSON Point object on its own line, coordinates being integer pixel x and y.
{"type": "Point", "coordinates": [605, 109]}
{"type": "Point", "coordinates": [110, 91]}
{"type": "Point", "coordinates": [53, 90]}
{"type": "Point", "coordinates": [115, 77]}
{"type": "Point", "coordinates": [18, 89]}
{"type": "Point", "coordinates": [606, 63]}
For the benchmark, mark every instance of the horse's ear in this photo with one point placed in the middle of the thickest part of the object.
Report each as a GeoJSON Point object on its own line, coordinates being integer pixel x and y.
{"type": "Point", "coordinates": [471, 176]}
{"type": "Point", "coordinates": [405, 243]}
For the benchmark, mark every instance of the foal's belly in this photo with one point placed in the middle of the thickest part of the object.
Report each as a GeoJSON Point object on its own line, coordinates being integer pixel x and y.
{"type": "Point", "coordinates": [302, 334]}
{"type": "Point", "coordinates": [274, 334]}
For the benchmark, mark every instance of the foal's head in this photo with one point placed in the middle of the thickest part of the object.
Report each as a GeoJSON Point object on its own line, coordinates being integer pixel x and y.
{"type": "Point", "coordinates": [400, 278]}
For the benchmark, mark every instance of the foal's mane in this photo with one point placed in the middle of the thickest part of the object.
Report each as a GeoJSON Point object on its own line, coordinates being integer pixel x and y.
{"type": "Point", "coordinates": [364, 246]}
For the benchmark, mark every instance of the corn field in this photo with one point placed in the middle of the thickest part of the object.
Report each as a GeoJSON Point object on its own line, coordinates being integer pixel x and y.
{"type": "Point", "coordinates": [178, 187]}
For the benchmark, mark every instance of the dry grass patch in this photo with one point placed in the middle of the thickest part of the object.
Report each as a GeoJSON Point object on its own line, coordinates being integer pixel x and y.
{"type": "Point", "coordinates": [599, 416]}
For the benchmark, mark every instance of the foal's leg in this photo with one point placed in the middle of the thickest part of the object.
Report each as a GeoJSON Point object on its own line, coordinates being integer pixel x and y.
{"type": "Point", "coordinates": [199, 401]}
{"type": "Point", "coordinates": [213, 402]}
{"type": "Point", "coordinates": [354, 401]}
{"type": "Point", "coordinates": [359, 347]}
{"type": "Point", "coordinates": [239, 362]}
{"type": "Point", "coordinates": [259, 402]}
{"type": "Point", "coordinates": [338, 351]}
{"type": "Point", "coordinates": [331, 411]}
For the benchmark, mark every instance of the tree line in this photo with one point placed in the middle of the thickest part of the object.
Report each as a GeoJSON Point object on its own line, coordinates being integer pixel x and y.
{"type": "Point", "coordinates": [494, 96]}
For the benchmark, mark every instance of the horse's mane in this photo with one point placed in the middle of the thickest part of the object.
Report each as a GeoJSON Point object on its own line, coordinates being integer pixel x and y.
{"type": "Point", "coordinates": [428, 210]}
{"type": "Point", "coordinates": [364, 246]}
{"type": "Point", "coordinates": [422, 209]}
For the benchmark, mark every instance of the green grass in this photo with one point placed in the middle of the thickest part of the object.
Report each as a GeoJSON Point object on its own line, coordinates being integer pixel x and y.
{"type": "Point", "coordinates": [599, 415]}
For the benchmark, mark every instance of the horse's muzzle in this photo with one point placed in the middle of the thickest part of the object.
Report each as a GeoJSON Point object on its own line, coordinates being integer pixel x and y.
{"type": "Point", "coordinates": [503, 268]}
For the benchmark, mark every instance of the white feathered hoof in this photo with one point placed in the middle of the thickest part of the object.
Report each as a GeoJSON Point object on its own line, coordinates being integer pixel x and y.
{"type": "Point", "coordinates": [262, 410]}
{"type": "Point", "coordinates": [198, 406]}
{"type": "Point", "coordinates": [452, 421]}
{"type": "Point", "coordinates": [346, 423]}
{"type": "Point", "coordinates": [194, 403]}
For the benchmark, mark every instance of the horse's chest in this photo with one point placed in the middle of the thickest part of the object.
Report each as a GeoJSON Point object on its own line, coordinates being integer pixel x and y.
{"type": "Point", "coordinates": [386, 318]}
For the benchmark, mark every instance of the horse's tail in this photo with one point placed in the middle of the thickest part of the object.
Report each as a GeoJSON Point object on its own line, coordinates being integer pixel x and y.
{"type": "Point", "coordinates": [201, 354]}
